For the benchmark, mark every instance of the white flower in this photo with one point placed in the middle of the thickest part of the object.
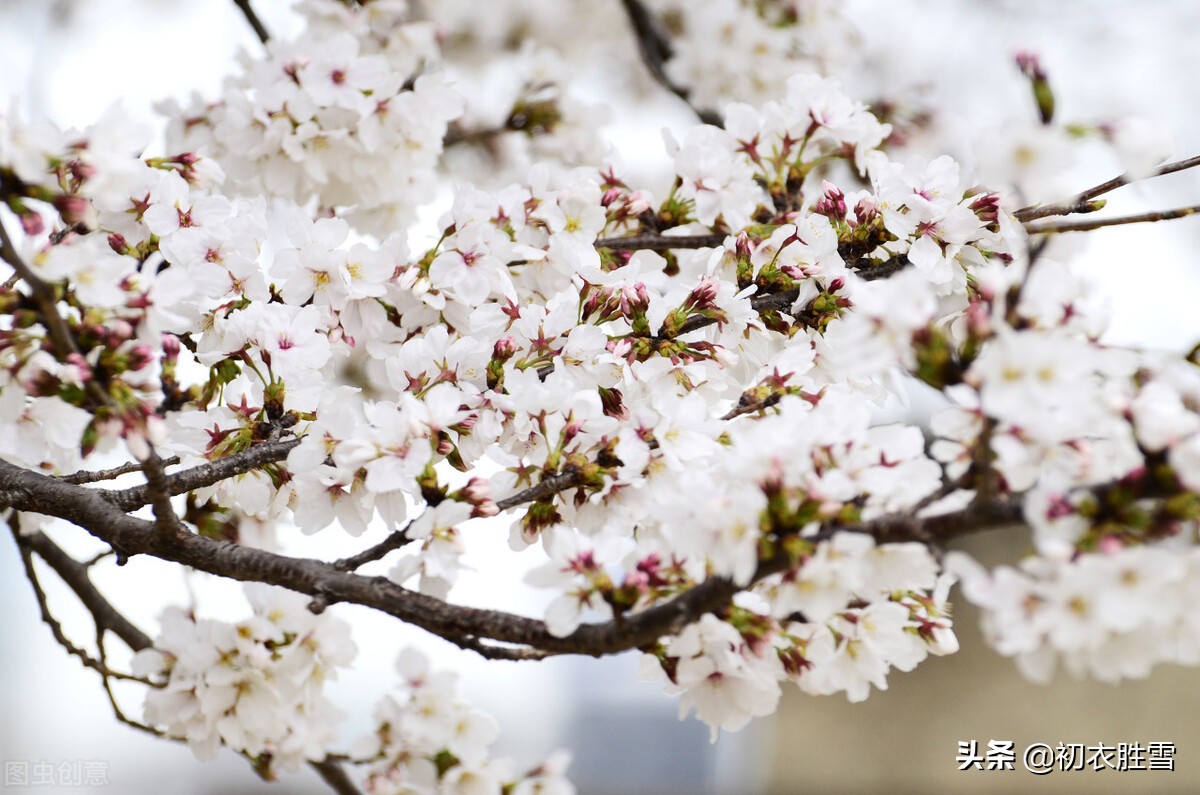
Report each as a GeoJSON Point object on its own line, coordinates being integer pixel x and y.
{"type": "Point", "coordinates": [721, 183]}
{"type": "Point", "coordinates": [574, 567]}
{"type": "Point", "coordinates": [828, 580]}
{"type": "Point", "coordinates": [254, 686]}
{"type": "Point", "coordinates": [720, 677]}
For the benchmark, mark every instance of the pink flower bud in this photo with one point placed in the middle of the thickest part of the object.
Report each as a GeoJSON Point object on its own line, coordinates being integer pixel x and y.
{"type": "Point", "coordinates": [140, 356]}
{"type": "Point", "coordinates": [476, 491]}
{"type": "Point", "coordinates": [704, 294]}
{"type": "Point", "coordinates": [742, 245]}
{"type": "Point", "coordinates": [73, 209]}
{"type": "Point", "coordinates": [32, 223]}
{"type": "Point", "coordinates": [1030, 65]}
{"type": "Point", "coordinates": [987, 207]}
{"type": "Point", "coordinates": [504, 349]}
{"type": "Point", "coordinates": [634, 298]}
{"type": "Point", "coordinates": [81, 171]}
{"type": "Point", "coordinates": [485, 508]}
{"type": "Point", "coordinates": [636, 204]}
{"type": "Point", "coordinates": [865, 210]}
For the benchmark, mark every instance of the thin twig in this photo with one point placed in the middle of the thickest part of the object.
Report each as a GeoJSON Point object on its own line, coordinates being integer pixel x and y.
{"type": "Point", "coordinates": [119, 713]}
{"type": "Point", "coordinates": [493, 652]}
{"type": "Point", "coordinates": [97, 665]}
{"type": "Point", "coordinates": [751, 406]}
{"type": "Point", "coordinates": [395, 540]}
{"type": "Point", "coordinates": [85, 476]}
{"type": "Point", "coordinates": [655, 48]}
{"type": "Point", "coordinates": [75, 575]}
{"type": "Point", "coordinates": [248, 11]}
{"type": "Point", "coordinates": [1054, 227]}
{"type": "Point", "coordinates": [94, 559]}
{"type": "Point", "coordinates": [546, 487]}
{"type": "Point", "coordinates": [1083, 202]}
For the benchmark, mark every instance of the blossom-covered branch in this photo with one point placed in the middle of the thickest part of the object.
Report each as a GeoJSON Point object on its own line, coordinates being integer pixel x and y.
{"type": "Point", "coordinates": [28, 491]}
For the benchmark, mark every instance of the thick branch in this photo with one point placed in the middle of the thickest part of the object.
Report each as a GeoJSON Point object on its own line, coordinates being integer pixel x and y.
{"type": "Point", "coordinates": [661, 242]}
{"type": "Point", "coordinates": [159, 495]}
{"type": "Point", "coordinates": [1053, 227]}
{"type": "Point", "coordinates": [27, 490]}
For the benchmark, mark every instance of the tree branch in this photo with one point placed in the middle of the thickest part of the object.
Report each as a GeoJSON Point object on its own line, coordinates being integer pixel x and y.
{"type": "Point", "coordinates": [84, 476]}
{"type": "Point", "coordinates": [43, 296]}
{"type": "Point", "coordinates": [655, 48]}
{"type": "Point", "coordinates": [1083, 202]}
{"type": "Point", "coordinates": [547, 486]}
{"type": "Point", "coordinates": [75, 575]}
{"type": "Point", "coordinates": [248, 11]}
{"type": "Point", "coordinates": [204, 474]}
{"type": "Point", "coordinates": [107, 618]}
{"type": "Point", "coordinates": [28, 490]}
{"type": "Point", "coordinates": [395, 540]}
{"type": "Point", "coordinates": [661, 242]}
{"type": "Point", "coordinates": [333, 774]}
{"type": "Point", "coordinates": [26, 552]}
{"type": "Point", "coordinates": [1055, 227]}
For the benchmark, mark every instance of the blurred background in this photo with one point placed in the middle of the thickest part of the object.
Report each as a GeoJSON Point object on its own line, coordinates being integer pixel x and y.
{"type": "Point", "coordinates": [67, 61]}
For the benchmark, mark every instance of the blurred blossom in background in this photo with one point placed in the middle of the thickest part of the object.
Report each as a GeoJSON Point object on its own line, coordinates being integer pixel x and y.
{"type": "Point", "coordinates": [68, 60]}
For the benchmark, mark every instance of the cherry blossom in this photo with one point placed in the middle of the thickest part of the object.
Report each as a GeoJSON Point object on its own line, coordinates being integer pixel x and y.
{"type": "Point", "coordinates": [669, 394]}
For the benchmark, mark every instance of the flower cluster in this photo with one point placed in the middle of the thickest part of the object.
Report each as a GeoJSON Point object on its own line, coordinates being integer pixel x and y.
{"type": "Point", "coordinates": [427, 742]}
{"type": "Point", "coordinates": [838, 623]}
{"type": "Point", "coordinates": [343, 114]}
{"type": "Point", "coordinates": [1109, 615]}
{"type": "Point", "coordinates": [255, 686]}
